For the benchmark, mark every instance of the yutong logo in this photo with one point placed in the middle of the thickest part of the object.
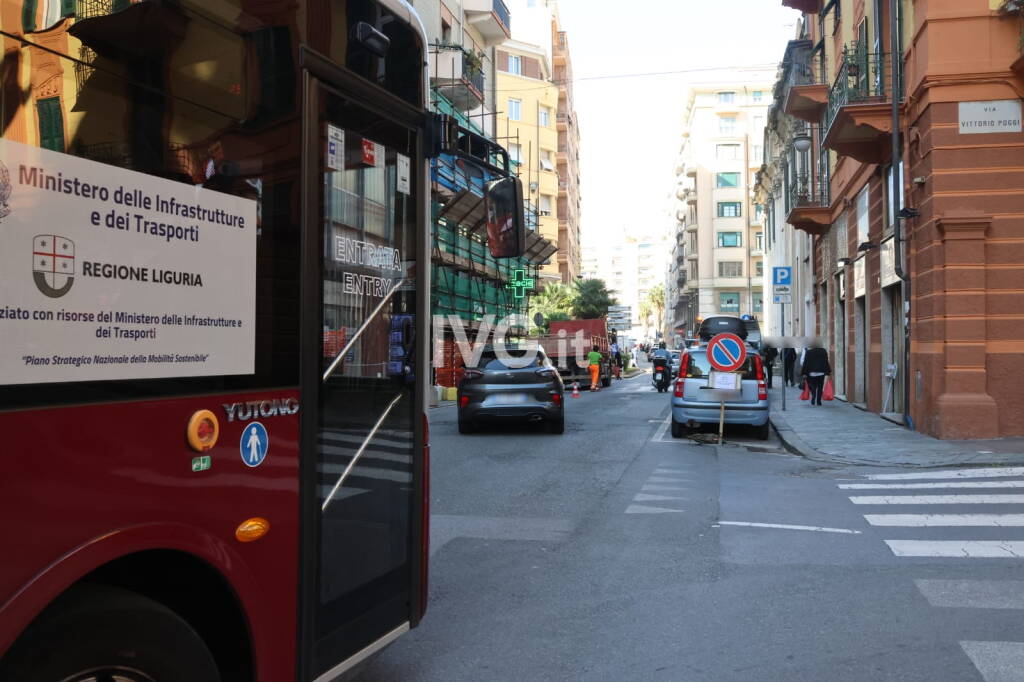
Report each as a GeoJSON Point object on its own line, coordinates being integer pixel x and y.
{"type": "Point", "coordinates": [261, 408]}
{"type": "Point", "coordinates": [53, 264]}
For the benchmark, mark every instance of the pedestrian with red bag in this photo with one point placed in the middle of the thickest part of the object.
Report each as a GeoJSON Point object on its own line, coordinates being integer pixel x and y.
{"type": "Point", "coordinates": [815, 368]}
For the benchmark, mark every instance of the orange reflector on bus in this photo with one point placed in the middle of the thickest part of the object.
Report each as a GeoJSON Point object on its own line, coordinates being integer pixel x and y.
{"type": "Point", "coordinates": [203, 430]}
{"type": "Point", "coordinates": [252, 529]}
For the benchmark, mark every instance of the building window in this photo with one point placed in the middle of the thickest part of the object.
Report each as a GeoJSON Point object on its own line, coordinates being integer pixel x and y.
{"type": "Point", "coordinates": [758, 302]}
{"type": "Point", "coordinates": [693, 272]}
{"type": "Point", "coordinates": [757, 96]}
{"type": "Point", "coordinates": [545, 160]}
{"type": "Point", "coordinates": [730, 268]}
{"type": "Point", "coordinates": [727, 180]}
{"type": "Point", "coordinates": [759, 268]}
{"type": "Point", "coordinates": [545, 204]}
{"type": "Point", "coordinates": [727, 152]}
{"type": "Point", "coordinates": [515, 152]}
{"type": "Point", "coordinates": [544, 117]}
{"type": "Point", "coordinates": [863, 221]}
{"type": "Point", "coordinates": [729, 209]}
{"type": "Point", "coordinates": [728, 301]}
{"type": "Point", "coordinates": [757, 152]}
{"type": "Point", "coordinates": [51, 124]}
{"type": "Point", "coordinates": [515, 109]}
{"type": "Point", "coordinates": [759, 241]}
{"type": "Point", "coordinates": [729, 239]}
{"type": "Point", "coordinates": [726, 97]}
{"type": "Point", "coordinates": [515, 64]}
{"type": "Point", "coordinates": [727, 125]}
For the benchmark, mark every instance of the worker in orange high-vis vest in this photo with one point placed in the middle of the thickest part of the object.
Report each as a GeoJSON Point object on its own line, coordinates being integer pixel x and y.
{"type": "Point", "coordinates": [594, 357]}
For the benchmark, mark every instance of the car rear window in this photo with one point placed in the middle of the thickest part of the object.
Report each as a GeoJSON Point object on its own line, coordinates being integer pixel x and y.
{"type": "Point", "coordinates": [698, 365]}
{"type": "Point", "coordinates": [489, 360]}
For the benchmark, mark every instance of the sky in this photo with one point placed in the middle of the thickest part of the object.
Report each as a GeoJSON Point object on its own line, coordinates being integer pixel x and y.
{"type": "Point", "coordinates": [630, 127]}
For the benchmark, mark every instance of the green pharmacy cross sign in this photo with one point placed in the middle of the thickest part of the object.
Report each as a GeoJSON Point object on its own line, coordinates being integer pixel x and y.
{"type": "Point", "coordinates": [520, 283]}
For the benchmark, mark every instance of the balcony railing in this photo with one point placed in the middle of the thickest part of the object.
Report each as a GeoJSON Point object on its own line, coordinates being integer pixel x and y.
{"type": "Point", "coordinates": [863, 78]}
{"type": "Point", "coordinates": [503, 14]}
{"type": "Point", "coordinates": [805, 194]}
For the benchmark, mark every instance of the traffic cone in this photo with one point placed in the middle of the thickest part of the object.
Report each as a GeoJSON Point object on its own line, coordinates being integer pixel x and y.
{"type": "Point", "coordinates": [575, 389]}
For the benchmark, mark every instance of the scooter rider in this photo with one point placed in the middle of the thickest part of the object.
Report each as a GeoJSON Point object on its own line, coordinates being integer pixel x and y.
{"type": "Point", "coordinates": [666, 360]}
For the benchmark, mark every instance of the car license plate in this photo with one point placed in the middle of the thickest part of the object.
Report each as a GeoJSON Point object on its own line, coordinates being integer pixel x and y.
{"type": "Point", "coordinates": [510, 399]}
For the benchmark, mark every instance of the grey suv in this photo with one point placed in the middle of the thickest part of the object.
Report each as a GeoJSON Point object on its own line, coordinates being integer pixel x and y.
{"type": "Point", "coordinates": [494, 392]}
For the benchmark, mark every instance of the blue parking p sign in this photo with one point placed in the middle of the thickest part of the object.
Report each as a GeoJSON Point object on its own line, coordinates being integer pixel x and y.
{"type": "Point", "coordinates": [783, 276]}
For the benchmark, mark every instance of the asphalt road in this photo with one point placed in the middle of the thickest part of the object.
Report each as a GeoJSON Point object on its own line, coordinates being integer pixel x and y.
{"type": "Point", "coordinates": [613, 552]}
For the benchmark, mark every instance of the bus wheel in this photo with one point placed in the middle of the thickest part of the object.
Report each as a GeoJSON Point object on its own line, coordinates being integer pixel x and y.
{"type": "Point", "coordinates": [95, 633]}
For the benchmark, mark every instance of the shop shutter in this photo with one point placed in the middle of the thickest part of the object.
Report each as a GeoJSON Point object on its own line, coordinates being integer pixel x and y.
{"type": "Point", "coordinates": [51, 124]}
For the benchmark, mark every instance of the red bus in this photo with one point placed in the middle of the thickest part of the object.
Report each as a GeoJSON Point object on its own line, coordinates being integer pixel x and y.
{"type": "Point", "coordinates": [214, 252]}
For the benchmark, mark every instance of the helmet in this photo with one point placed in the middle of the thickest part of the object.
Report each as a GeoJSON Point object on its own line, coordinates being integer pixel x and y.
{"type": "Point", "coordinates": [661, 345]}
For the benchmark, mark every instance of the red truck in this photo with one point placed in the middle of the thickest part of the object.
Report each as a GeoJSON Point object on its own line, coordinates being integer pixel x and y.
{"type": "Point", "coordinates": [562, 349]}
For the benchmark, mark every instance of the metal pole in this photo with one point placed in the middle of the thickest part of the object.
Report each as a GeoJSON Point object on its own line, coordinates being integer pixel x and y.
{"type": "Point", "coordinates": [896, 83]}
{"type": "Point", "coordinates": [785, 378]}
{"type": "Point", "coordinates": [721, 422]}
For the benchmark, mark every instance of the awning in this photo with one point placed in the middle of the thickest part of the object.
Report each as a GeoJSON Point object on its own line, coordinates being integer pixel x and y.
{"type": "Point", "coordinates": [466, 208]}
{"type": "Point", "coordinates": [538, 249]}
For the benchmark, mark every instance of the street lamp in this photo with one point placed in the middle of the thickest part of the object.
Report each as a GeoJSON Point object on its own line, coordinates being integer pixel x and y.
{"type": "Point", "coordinates": [842, 262]}
{"type": "Point", "coordinates": [802, 141]}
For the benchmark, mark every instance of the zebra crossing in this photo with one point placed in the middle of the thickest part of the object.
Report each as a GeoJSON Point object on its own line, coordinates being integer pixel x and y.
{"type": "Point", "coordinates": [387, 460]}
{"type": "Point", "coordinates": [662, 493]}
{"type": "Point", "coordinates": [944, 494]}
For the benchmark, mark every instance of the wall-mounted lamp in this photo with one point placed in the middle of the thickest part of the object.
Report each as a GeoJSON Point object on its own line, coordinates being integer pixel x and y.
{"type": "Point", "coordinates": [843, 262]}
{"type": "Point", "coordinates": [867, 246]}
{"type": "Point", "coordinates": [802, 141]}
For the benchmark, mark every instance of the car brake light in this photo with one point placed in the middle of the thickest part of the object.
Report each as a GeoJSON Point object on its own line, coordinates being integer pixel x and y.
{"type": "Point", "coordinates": [556, 398]}
{"type": "Point", "coordinates": [463, 401]}
{"type": "Point", "coordinates": [680, 385]}
{"type": "Point", "coordinates": [762, 388]}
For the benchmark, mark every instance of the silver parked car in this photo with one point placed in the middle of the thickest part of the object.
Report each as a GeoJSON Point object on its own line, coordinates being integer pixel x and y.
{"type": "Point", "coordinates": [694, 404]}
{"type": "Point", "coordinates": [495, 392]}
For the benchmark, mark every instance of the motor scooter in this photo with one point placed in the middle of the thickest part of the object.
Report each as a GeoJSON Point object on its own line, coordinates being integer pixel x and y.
{"type": "Point", "coordinates": [661, 375]}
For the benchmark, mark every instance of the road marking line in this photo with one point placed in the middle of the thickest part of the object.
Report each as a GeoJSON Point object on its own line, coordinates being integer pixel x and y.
{"type": "Point", "coordinates": [785, 526]}
{"type": "Point", "coordinates": [661, 487]}
{"type": "Point", "coordinates": [958, 549]}
{"type": "Point", "coordinates": [996, 661]}
{"type": "Point", "coordinates": [990, 472]}
{"type": "Point", "coordinates": [924, 486]}
{"type": "Point", "coordinates": [661, 430]}
{"type": "Point", "coordinates": [644, 497]}
{"type": "Point", "coordinates": [945, 520]}
{"type": "Point", "coordinates": [937, 499]}
{"type": "Point", "coordinates": [671, 471]}
{"type": "Point", "coordinates": [973, 594]}
{"type": "Point", "coordinates": [642, 509]}
{"type": "Point", "coordinates": [662, 479]}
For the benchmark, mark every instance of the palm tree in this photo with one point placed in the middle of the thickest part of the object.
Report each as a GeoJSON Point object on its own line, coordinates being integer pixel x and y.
{"type": "Point", "coordinates": [645, 316]}
{"type": "Point", "coordinates": [554, 302]}
{"type": "Point", "coordinates": [656, 300]}
{"type": "Point", "coordinates": [592, 299]}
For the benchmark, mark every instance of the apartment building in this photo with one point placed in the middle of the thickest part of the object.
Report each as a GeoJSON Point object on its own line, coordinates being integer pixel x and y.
{"type": "Point", "coordinates": [900, 139]}
{"type": "Point", "coordinates": [717, 262]}
{"type": "Point", "coordinates": [526, 128]}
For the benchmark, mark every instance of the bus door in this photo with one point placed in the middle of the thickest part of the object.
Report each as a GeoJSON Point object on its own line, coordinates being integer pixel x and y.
{"type": "Point", "coordinates": [363, 474]}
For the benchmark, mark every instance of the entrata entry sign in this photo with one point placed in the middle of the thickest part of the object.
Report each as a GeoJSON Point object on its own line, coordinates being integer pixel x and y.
{"type": "Point", "coordinates": [112, 274]}
{"type": "Point", "coordinates": [727, 352]}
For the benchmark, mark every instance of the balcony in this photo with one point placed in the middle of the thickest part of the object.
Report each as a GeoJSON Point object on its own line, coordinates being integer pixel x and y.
{"type": "Point", "coordinates": [809, 206]}
{"type": "Point", "coordinates": [457, 75]}
{"type": "Point", "coordinates": [563, 122]}
{"type": "Point", "coordinates": [858, 121]}
{"type": "Point", "coordinates": [681, 280]}
{"type": "Point", "coordinates": [806, 6]}
{"type": "Point", "coordinates": [804, 86]}
{"type": "Point", "coordinates": [491, 18]}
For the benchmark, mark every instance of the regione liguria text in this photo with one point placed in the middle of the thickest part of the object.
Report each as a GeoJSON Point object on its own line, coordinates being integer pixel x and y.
{"type": "Point", "coordinates": [113, 274]}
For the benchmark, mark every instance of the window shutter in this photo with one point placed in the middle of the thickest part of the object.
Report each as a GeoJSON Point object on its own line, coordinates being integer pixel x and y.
{"type": "Point", "coordinates": [502, 61]}
{"type": "Point", "coordinates": [28, 16]}
{"type": "Point", "coordinates": [531, 67]}
{"type": "Point", "coordinates": [51, 124]}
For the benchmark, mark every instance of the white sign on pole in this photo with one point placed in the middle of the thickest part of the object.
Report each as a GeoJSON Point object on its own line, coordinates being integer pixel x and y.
{"type": "Point", "coordinates": [859, 277]}
{"type": "Point", "coordinates": [782, 290]}
{"type": "Point", "coordinates": [113, 274]}
{"type": "Point", "coordinates": [724, 381]}
{"type": "Point", "coordinates": [998, 116]}
{"type": "Point", "coordinates": [782, 298]}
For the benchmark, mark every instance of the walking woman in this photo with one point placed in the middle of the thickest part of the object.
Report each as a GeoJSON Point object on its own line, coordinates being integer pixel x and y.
{"type": "Point", "coordinates": [594, 357]}
{"type": "Point", "coordinates": [815, 367]}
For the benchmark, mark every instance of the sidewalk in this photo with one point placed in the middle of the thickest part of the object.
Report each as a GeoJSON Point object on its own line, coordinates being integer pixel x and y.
{"type": "Point", "coordinates": [840, 432]}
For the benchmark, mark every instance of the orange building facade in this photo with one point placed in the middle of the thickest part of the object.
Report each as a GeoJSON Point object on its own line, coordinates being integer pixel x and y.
{"type": "Point", "coordinates": [918, 244]}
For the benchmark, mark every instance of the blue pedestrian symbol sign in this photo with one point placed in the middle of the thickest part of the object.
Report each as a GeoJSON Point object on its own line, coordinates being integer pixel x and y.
{"type": "Point", "coordinates": [254, 444]}
{"type": "Point", "coordinates": [783, 276]}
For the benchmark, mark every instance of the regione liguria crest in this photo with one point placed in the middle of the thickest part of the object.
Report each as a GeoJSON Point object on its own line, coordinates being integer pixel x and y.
{"type": "Point", "coordinates": [53, 264]}
{"type": "Point", "coordinates": [5, 192]}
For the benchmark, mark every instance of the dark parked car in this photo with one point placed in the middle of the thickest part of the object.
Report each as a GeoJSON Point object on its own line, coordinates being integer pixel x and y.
{"type": "Point", "coordinates": [495, 392]}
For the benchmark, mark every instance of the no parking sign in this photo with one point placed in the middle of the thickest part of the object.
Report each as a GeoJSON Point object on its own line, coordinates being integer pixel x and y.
{"type": "Point", "coordinates": [727, 352]}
